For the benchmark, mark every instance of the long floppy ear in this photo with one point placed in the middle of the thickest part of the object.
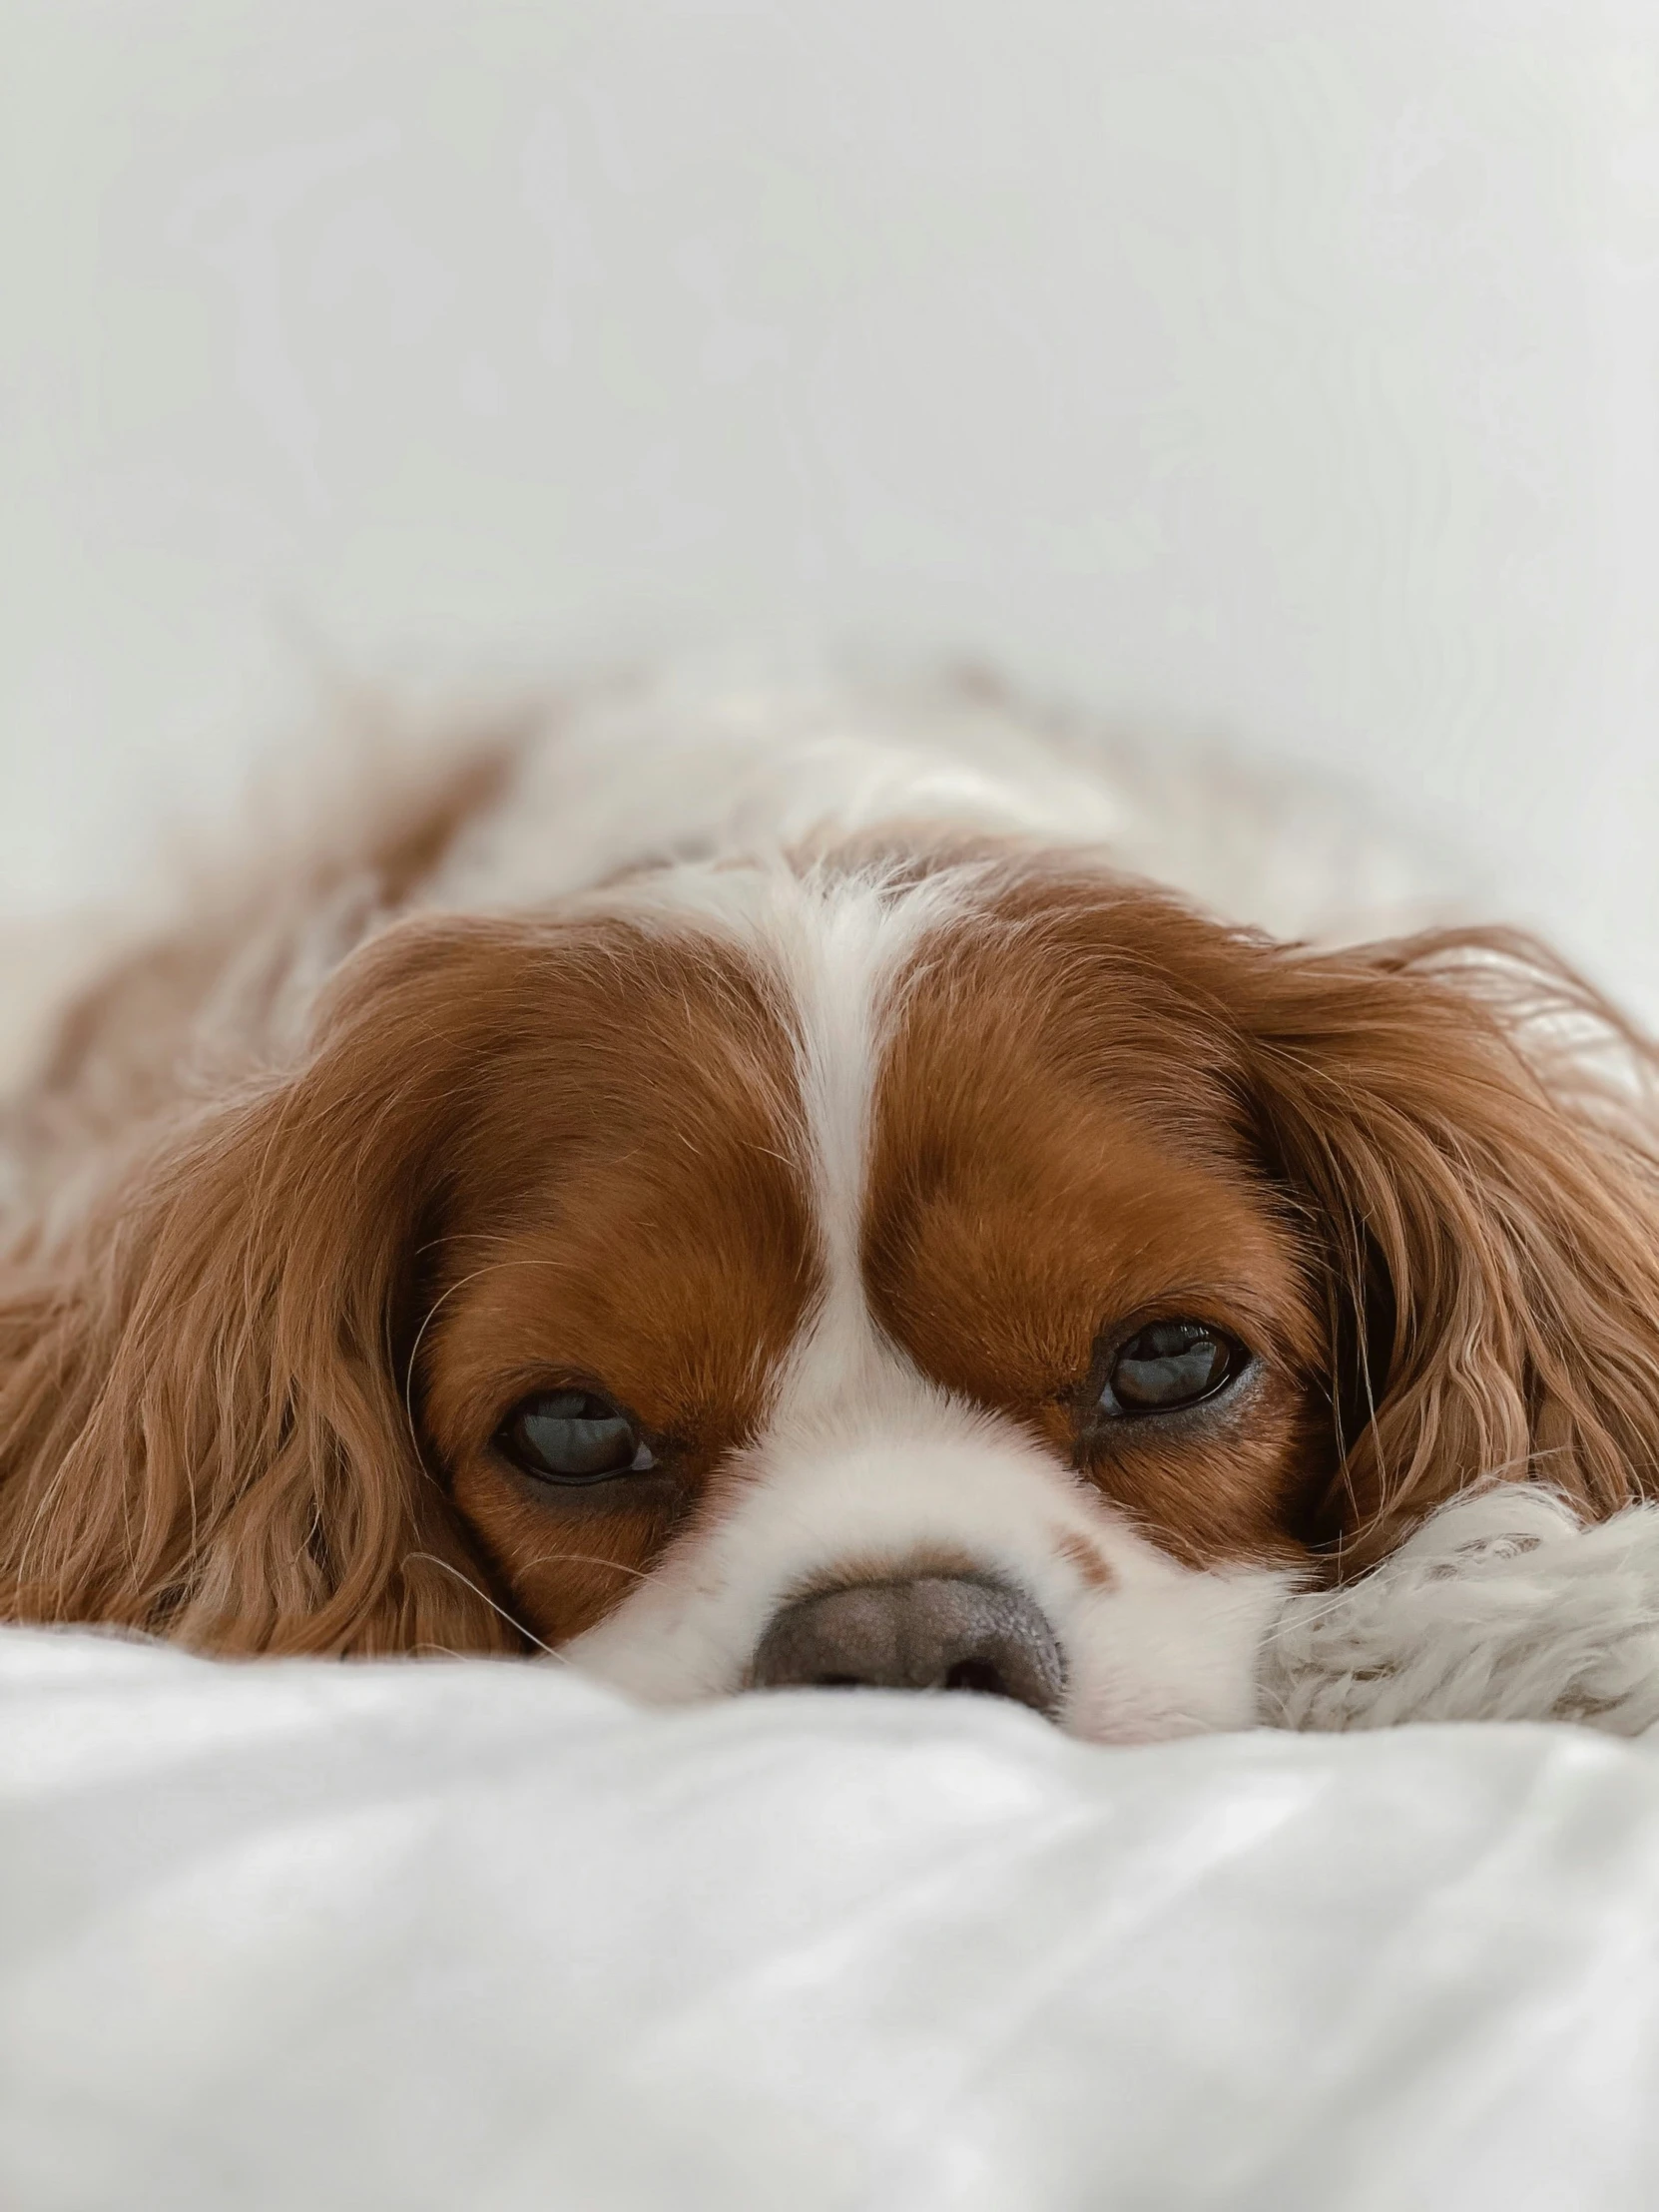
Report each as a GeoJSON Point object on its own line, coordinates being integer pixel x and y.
{"type": "Point", "coordinates": [203, 1424]}
{"type": "Point", "coordinates": [1464, 1126]}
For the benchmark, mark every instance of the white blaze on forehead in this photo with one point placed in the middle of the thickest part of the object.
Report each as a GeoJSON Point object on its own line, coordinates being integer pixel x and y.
{"type": "Point", "coordinates": [844, 970]}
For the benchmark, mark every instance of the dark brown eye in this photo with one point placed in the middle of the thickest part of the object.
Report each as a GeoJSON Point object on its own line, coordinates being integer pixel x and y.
{"type": "Point", "coordinates": [572, 1436]}
{"type": "Point", "coordinates": [1170, 1365]}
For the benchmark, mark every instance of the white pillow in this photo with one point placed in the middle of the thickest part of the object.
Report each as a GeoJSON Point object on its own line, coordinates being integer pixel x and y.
{"type": "Point", "coordinates": [478, 1935]}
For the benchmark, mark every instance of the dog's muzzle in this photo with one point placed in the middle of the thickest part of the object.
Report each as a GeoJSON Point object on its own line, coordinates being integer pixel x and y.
{"type": "Point", "coordinates": [930, 1632]}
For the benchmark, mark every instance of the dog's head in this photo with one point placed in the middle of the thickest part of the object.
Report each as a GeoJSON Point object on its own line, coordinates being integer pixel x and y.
{"type": "Point", "coordinates": [988, 1275]}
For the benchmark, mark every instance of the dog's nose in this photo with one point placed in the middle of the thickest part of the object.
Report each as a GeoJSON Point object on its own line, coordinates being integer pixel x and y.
{"type": "Point", "coordinates": [931, 1632]}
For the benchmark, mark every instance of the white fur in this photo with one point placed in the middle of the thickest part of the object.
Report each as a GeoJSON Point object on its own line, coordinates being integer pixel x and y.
{"type": "Point", "coordinates": [890, 1473]}
{"type": "Point", "coordinates": [1500, 1608]}
{"type": "Point", "coordinates": [692, 766]}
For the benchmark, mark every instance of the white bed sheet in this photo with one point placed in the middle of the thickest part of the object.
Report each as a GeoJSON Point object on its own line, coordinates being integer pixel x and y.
{"type": "Point", "coordinates": [482, 1935]}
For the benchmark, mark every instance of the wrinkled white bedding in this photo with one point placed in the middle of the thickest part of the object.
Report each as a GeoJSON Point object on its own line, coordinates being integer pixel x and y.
{"type": "Point", "coordinates": [481, 1935]}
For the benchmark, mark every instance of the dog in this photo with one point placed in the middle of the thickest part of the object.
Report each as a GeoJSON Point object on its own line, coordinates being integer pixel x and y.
{"type": "Point", "coordinates": [753, 1191]}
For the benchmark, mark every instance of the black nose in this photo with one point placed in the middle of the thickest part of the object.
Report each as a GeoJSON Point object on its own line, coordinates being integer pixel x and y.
{"type": "Point", "coordinates": [932, 1632]}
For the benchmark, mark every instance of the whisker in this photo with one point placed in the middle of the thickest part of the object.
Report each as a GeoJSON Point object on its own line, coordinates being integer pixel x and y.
{"type": "Point", "coordinates": [490, 1267]}
{"type": "Point", "coordinates": [431, 1558]}
{"type": "Point", "coordinates": [584, 1559]}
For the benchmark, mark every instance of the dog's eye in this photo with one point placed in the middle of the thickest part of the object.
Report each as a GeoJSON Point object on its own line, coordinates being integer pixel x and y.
{"type": "Point", "coordinates": [1171, 1363]}
{"type": "Point", "coordinates": [572, 1436]}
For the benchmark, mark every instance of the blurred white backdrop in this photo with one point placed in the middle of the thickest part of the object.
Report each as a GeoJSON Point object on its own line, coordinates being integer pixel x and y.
{"type": "Point", "coordinates": [1285, 371]}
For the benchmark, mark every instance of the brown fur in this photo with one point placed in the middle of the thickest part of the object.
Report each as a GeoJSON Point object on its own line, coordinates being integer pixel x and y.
{"type": "Point", "coordinates": [1448, 1140]}
{"type": "Point", "coordinates": [216, 1403]}
{"type": "Point", "coordinates": [624, 1213]}
{"type": "Point", "coordinates": [1051, 1167]}
{"type": "Point", "coordinates": [246, 1395]}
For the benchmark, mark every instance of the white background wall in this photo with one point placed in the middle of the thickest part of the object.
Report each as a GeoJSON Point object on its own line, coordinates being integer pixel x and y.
{"type": "Point", "coordinates": [1285, 370]}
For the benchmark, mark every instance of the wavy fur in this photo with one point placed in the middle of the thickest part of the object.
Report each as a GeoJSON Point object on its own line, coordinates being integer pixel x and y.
{"type": "Point", "coordinates": [210, 1426]}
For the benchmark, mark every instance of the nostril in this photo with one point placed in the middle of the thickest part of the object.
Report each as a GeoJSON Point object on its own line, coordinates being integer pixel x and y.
{"type": "Point", "coordinates": [923, 1632]}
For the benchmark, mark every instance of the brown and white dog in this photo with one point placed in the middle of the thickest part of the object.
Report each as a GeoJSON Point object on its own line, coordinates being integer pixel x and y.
{"type": "Point", "coordinates": [743, 1195]}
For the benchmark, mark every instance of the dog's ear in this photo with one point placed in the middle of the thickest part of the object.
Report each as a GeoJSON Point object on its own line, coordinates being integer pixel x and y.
{"type": "Point", "coordinates": [1463, 1127]}
{"type": "Point", "coordinates": [203, 1430]}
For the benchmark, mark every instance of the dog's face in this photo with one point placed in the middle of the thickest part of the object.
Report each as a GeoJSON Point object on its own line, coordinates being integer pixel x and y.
{"type": "Point", "coordinates": [902, 1252]}
{"type": "Point", "coordinates": [984, 1276]}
